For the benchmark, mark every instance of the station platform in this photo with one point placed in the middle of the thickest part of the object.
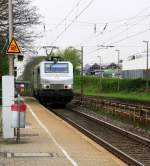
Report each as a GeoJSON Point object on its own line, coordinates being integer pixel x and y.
{"type": "Point", "coordinates": [49, 141]}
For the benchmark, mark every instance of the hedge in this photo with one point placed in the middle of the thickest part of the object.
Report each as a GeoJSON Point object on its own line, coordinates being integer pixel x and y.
{"type": "Point", "coordinates": [109, 84]}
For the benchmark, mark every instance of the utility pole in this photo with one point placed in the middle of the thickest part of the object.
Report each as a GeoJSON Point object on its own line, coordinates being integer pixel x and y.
{"type": "Point", "coordinates": [118, 54]}
{"type": "Point", "coordinates": [100, 72]}
{"type": "Point", "coordinates": [147, 86]}
{"type": "Point", "coordinates": [11, 57]}
{"type": "Point", "coordinates": [81, 73]}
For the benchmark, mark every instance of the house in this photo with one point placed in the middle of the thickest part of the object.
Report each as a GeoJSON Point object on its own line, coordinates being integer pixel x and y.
{"type": "Point", "coordinates": [110, 70]}
{"type": "Point", "coordinates": [135, 67]}
{"type": "Point", "coordinates": [94, 69]}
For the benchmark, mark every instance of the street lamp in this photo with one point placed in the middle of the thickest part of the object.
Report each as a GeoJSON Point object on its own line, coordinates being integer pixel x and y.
{"type": "Point", "coordinates": [100, 71]}
{"type": "Point", "coordinates": [102, 47]}
{"type": "Point", "coordinates": [147, 86]}
{"type": "Point", "coordinates": [118, 54]}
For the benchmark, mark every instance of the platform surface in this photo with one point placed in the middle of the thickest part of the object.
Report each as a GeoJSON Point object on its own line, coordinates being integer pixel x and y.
{"type": "Point", "coordinates": [49, 141]}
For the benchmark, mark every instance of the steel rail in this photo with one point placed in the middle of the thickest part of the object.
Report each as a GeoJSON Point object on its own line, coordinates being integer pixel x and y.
{"type": "Point", "coordinates": [116, 151]}
{"type": "Point", "coordinates": [117, 129]}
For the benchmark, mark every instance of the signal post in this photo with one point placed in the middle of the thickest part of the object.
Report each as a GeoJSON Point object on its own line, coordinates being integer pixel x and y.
{"type": "Point", "coordinates": [8, 86]}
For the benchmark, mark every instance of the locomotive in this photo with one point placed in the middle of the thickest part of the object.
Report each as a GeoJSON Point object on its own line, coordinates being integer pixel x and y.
{"type": "Point", "coordinates": [53, 81]}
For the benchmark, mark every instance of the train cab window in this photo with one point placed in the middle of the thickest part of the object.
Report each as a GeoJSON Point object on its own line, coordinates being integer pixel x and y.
{"type": "Point", "coordinates": [56, 68]}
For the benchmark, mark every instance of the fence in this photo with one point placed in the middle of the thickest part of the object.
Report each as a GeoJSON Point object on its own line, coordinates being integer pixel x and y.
{"type": "Point", "coordinates": [133, 112]}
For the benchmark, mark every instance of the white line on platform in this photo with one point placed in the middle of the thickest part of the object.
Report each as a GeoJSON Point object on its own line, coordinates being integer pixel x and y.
{"type": "Point", "coordinates": [51, 136]}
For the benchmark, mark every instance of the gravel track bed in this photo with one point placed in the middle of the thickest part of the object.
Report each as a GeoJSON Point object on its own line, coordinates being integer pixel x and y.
{"type": "Point", "coordinates": [127, 145]}
{"type": "Point", "coordinates": [125, 126]}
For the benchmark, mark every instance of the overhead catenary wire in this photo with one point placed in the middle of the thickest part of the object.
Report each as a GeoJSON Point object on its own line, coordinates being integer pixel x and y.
{"type": "Point", "coordinates": [136, 34]}
{"type": "Point", "coordinates": [135, 21]}
{"type": "Point", "coordinates": [85, 23]}
{"type": "Point", "coordinates": [127, 21]}
{"type": "Point", "coordinates": [130, 24]}
{"type": "Point", "coordinates": [75, 18]}
{"type": "Point", "coordinates": [129, 27]}
{"type": "Point", "coordinates": [116, 21]}
{"type": "Point", "coordinates": [68, 14]}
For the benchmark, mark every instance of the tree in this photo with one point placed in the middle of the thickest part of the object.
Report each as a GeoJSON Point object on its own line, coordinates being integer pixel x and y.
{"type": "Point", "coordinates": [3, 62]}
{"type": "Point", "coordinates": [73, 55]}
{"type": "Point", "coordinates": [24, 17]}
{"type": "Point", "coordinates": [3, 57]}
{"type": "Point", "coordinates": [27, 74]}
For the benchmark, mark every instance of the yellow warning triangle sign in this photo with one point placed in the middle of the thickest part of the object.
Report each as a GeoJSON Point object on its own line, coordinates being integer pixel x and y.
{"type": "Point", "coordinates": [13, 48]}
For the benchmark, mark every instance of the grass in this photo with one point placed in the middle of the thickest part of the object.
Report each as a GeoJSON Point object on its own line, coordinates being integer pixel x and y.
{"type": "Point", "coordinates": [133, 89]}
{"type": "Point", "coordinates": [137, 96]}
{"type": "Point", "coordinates": [124, 95]}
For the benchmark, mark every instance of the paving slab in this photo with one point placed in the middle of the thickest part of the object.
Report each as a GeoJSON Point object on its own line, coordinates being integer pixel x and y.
{"type": "Point", "coordinates": [49, 141]}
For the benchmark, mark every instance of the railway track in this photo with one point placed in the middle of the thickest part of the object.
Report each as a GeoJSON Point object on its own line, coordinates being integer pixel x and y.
{"type": "Point", "coordinates": [132, 149]}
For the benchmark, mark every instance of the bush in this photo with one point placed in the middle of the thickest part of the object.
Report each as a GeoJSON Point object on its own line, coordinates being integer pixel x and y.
{"type": "Point", "coordinates": [109, 84]}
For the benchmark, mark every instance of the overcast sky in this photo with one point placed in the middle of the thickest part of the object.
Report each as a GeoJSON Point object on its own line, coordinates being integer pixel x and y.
{"type": "Point", "coordinates": [121, 23]}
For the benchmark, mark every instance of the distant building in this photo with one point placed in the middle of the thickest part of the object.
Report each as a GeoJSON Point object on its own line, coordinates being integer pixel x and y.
{"type": "Point", "coordinates": [109, 70]}
{"type": "Point", "coordinates": [135, 67]}
{"type": "Point", "coordinates": [94, 69]}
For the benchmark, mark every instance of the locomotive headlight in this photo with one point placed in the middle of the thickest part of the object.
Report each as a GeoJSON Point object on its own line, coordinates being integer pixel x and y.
{"type": "Point", "coordinates": [45, 86]}
{"type": "Point", "coordinates": [69, 86]}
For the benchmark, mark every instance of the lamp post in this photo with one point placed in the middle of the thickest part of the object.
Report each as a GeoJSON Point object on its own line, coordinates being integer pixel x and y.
{"type": "Point", "coordinates": [147, 86]}
{"type": "Point", "coordinates": [102, 47]}
{"type": "Point", "coordinates": [118, 54]}
{"type": "Point", "coordinates": [100, 60]}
